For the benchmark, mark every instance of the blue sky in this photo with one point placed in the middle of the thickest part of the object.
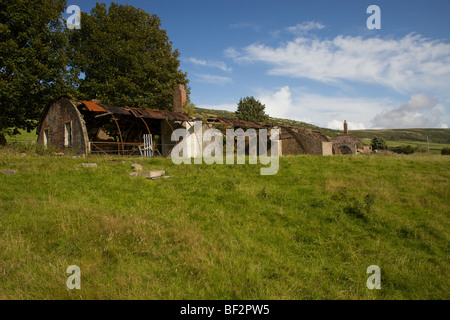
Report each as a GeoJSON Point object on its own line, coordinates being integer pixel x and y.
{"type": "Point", "coordinates": [314, 61]}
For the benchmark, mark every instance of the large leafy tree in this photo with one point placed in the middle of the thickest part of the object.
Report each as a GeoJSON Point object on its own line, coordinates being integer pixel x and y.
{"type": "Point", "coordinates": [123, 57]}
{"type": "Point", "coordinates": [32, 61]}
{"type": "Point", "coordinates": [251, 109]}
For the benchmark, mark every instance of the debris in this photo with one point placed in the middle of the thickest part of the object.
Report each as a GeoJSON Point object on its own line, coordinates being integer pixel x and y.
{"type": "Point", "coordinates": [149, 174]}
{"type": "Point", "coordinates": [137, 167]}
{"type": "Point", "coordinates": [8, 172]}
{"type": "Point", "coordinates": [89, 165]}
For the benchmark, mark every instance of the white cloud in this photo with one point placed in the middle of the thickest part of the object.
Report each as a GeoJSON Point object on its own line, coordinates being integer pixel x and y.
{"type": "Point", "coordinates": [213, 79]}
{"type": "Point", "coordinates": [209, 63]}
{"type": "Point", "coordinates": [408, 64]}
{"type": "Point", "coordinates": [278, 103]}
{"type": "Point", "coordinates": [321, 110]}
{"type": "Point", "coordinates": [232, 53]}
{"type": "Point", "coordinates": [304, 27]}
{"type": "Point", "coordinates": [420, 111]}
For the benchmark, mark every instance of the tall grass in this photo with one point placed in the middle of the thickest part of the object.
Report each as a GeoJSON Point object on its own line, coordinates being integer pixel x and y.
{"type": "Point", "coordinates": [225, 231]}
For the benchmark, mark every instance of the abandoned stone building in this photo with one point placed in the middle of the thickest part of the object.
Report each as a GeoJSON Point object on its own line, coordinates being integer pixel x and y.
{"type": "Point", "coordinates": [349, 144]}
{"type": "Point", "coordinates": [90, 127]}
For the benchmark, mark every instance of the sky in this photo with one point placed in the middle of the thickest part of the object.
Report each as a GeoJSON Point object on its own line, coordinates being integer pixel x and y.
{"type": "Point", "coordinates": [314, 61]}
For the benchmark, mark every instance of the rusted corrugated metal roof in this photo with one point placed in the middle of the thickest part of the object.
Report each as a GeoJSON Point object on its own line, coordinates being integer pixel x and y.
{"type": "Point", "coordinates": [92, 106]}
{"type": "Point", "coordinates": [144, 113]}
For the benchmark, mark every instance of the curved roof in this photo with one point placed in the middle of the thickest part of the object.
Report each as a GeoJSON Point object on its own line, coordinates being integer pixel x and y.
{"type": "Point", "coordinates": [137, 112]}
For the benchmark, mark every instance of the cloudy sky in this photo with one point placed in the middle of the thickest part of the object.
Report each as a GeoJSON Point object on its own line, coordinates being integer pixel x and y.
{"type": "Point", "coordinates": [315, 61]}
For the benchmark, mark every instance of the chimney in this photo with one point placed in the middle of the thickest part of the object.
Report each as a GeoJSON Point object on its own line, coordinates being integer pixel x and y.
{"type": "Point", "coordinates": [345, 127]}
{"type": "Point", "coordinates": [179, 98]}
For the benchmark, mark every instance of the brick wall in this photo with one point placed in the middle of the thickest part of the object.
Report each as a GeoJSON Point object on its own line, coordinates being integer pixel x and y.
{"type": "Point", "coordinates": [57, 115]}
{"type": "Point", "coordinates": [179, 98]}
{"type": "Point", "coordinates": [345, 140]}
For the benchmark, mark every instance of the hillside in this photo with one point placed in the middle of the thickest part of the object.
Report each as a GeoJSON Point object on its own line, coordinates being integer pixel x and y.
{"type": "Point", "coordinates": [414, 135]}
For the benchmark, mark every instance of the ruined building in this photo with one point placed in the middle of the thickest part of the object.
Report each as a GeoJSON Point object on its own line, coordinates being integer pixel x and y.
{"type": "Point", "coordinates": [90, 127]}
{"type": "Point", "coordinates": [349, 144]}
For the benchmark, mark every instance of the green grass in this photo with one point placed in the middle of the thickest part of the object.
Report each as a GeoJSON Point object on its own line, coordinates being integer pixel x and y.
{"type": "Point", "coordinates": [225, 231]}
{"type": "Point", "coordinates": [22, 137]}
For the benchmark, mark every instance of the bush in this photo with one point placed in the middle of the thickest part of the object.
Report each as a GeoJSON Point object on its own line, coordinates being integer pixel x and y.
{"type": "Point", "coordinates": [378, 144]}
{"type": "Point", "coordinates": [445, 151]}
{"type": "Point", "coordinates": [406, 149]}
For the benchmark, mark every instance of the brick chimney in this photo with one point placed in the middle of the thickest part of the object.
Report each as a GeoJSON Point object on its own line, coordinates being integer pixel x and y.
{"type": "Point", "coordinates": [345, 127]}
{"type": "Point", "coordinates": [179, 98]}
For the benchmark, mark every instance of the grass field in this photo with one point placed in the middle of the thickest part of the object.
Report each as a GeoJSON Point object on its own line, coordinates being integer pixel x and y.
{"type": "Point", "coordinates": [225, 231]}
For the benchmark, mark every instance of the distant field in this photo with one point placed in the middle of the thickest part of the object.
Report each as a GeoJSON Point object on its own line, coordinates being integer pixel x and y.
{"type": "Point", "coordinates": [225, 231]}
{"type": "Point", "coordinates": [434, 147]}
{"type": "Point", "coordinates": [437, 136]}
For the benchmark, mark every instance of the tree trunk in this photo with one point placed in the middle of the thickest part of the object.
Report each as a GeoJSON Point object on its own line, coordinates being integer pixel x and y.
{"type": "Point", "coordinates": [2, 140]}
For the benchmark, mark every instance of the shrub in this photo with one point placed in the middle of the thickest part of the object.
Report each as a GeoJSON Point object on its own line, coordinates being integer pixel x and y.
{"type": "Point", "coordinates": [406, 149]}
{"type": "Point", "coordinates": [378, 144]}
{"type": "Point", "coordinates": [445, 151]}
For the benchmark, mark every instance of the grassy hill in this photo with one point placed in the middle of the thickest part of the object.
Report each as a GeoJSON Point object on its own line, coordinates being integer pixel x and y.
{"type": "Point", "coordinates": [225, 231]}
{"type": "Point", "coordinates": [441, 136]}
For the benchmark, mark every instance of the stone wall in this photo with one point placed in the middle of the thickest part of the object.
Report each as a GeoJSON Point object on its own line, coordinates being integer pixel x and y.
{"type": "Point", "coordinates": [345, 142]}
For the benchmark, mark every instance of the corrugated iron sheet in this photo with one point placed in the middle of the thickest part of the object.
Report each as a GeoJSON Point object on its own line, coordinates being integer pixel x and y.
{"type": "Point", "coordinates": [92, 106]}
{"type": "Point", "coordinates": [144, 113]}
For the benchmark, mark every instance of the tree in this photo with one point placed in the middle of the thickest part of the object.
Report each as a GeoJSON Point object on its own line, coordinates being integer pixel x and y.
{"type": "Point", "coordinates": [124, 58]}
{"type": "Point", "coordinates": [250, 109]}
{"type": "Point", "coordinates": [32, 61]}
{"type": "Point", "coordinates": [378, 144]}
